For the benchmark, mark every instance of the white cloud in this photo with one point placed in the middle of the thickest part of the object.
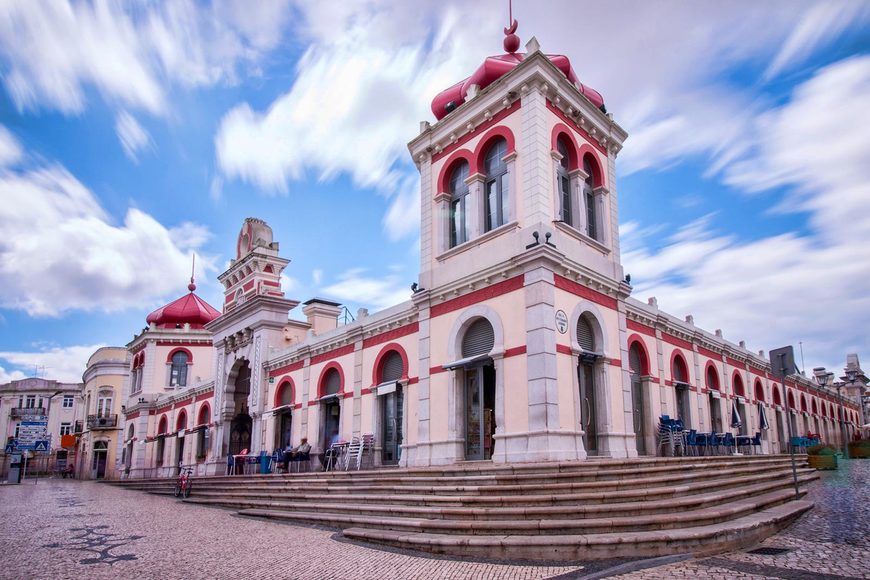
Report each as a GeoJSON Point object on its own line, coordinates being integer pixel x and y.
{"type": "Point", "coordinates": [316, 277]}
{"type": "Point", "coordinates": [790, 287]}
{"type": "Point", "coordinates": [64, 364]}
{"type": "Point", "coordinates": [130, 53]}
{"type": "Point", "coordinates": [133, 137]}
{"type": "Point", "coordinates": [10, 149]}
{"type": "Point", "coordinates": [7, 376]}
{"type": "Point", "coordinates": [288, 284]}
{"type": "Point", "coordinates": [74, 257]}
{"type": "Point", "coordinates": [380, 292]}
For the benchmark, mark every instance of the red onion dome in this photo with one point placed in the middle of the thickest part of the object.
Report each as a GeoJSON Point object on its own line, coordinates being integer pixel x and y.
{"type": "Point", "coordinates": [189, 309]}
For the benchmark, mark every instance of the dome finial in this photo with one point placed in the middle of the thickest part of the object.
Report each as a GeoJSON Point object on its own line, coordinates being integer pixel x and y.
{"type": "Point", "coordinates": [192, 285]}
{"type": "Point", "coordinates": [511, 40]}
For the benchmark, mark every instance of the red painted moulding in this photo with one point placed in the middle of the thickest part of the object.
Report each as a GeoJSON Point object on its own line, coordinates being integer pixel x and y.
{"type": "Point", "coordinates": [287, 369]}
{"type": "Point", "coordinates": [582, 291]}
{"type": "Point", "coordinates": [496, 132]}
{"type": "Point", "coordinates": [284, 384]}
{"type": "Point", "coordinates": [641, 328]}
{"type": "Point", "coordinates": [391, 335]}
{"type": "Point", "coordinates": [391, 347]}
{"type": "Point", "coordinates": [477, 296]}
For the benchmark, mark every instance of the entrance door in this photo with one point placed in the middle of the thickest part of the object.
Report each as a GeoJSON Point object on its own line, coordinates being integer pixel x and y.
{"type": "Point", "coordinates": [240, 434]}
{"type": "Point", "coordinates": [331, 422]}
{"type": "Point", "coordinates": [391, 411]}
{"type": "Point", "coordinates": [98, 467]}
{"type": "Point", "coordinates": [283, 430]}
{"type": "Point", "coordinates": [588, 413]}
{"type": "Point", "coordinates": [637, 414]}
{"type": "Point", "coordinates": [479, 412]}
{"type": "Point", "coordinates": [179, 452]}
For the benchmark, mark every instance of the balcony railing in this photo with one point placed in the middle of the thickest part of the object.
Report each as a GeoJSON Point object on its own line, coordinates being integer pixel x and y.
{"type": "Point", "coordinates": [28, 411]}
{"type": "Point", "coordinates": [96, 422]}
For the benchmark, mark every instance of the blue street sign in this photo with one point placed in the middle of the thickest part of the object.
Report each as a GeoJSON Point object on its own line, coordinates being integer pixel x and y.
{"type": "Point", "coordinates": [10, 447]}
{"type": "Point", "coordinates": [40, 445]}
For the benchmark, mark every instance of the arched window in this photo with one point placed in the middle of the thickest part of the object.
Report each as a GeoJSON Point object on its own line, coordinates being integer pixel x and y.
{"type": "Point", "coordinates": [738, 386]}
{"type": "Point", "coordinates": [712, 378]}
{"type": "Point", "coordinates": [332, 382]}
{"type": "Point", "coordinates": [564, 181]}
{"type": "Point", "coordinates": [777, 398]}
{"type": "Point", "coordinates": [181, 421]}
{"type": "Point", "coordinates": [458, 191]}
{"type": "Point", "coordinates": [585, 334]}
{"type": "Point", "coordinates": [178, 372]}
{"type": "Point", "coordinates": [105, 399]}
{"type": "Point", "coordinates": [392, 367]}
{"type": "Point", "coordinates": [759, 391]}
{"type": "Point", "coordinates": [285, 394]}
{"type": "Point", "coordinates": [679, 371]}
{"type": "Point", "coordinates": [204, 413]}
{"type": "Point", "coordinates": [589, 199]}
{"type": "Point", "coordinates": [496, 186]}
{"type": "Point", "coordinates": [478, 339]}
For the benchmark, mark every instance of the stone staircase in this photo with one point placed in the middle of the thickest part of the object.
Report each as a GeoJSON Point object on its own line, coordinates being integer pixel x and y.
{"type": "Point", "coordinates": [545, 512]}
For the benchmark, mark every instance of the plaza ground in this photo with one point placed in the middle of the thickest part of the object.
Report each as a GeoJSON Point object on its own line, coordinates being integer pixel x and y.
{"type": "Point", "coordinates": [73, 529]}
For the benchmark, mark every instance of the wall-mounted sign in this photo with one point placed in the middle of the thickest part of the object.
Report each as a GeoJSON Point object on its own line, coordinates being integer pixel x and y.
{"type": "Point", "coordinates": [561, 321]}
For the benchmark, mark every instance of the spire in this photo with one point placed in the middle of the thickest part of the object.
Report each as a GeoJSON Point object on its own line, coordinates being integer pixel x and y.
{"type": "Point", "coordinates": [192, 285]}
{"type": "Point", "coordinates": [511, 40]}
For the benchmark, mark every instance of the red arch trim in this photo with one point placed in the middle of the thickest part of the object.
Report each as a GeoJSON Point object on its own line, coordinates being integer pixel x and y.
{"type": "Point", "coordinates": [499, 131]}
{"type": "Point", "coordinates": [561, 129]}
{"type": "Point", "coordinates": [450, 164]}
{"type": "Point", "coordinates": [759, 391]}
{"type": "Point", "coordinates": [162, 424]}
{"type": "Point", "coordinates": [803, 403]}
{"type": "Point", "coordinates": [379, 361]}
{"type": "Point", "coordinates": [644, 355]}
{"type": "Point", "coordinates": [587, 152]}
{"type": "Point", "coordinates": [675, 354]}
{"type": "Point", "coordinates": [321, 382]}
{"type": "Point", "coordinates": [715, 375]}
{"type": "Point", "coordinates": [791, 400]}
{"type": "Point", "coordinates": [815, 407]}
{"type": "Point", "coordinates": [181, 420]}
{"type": "Point", "coordinates": [286, 383]}
{"type": "Point", "coordinates": [203, 415]}
{"type": "Point", "coordinates": [737, 381]}
{"type": "Point", "coordinates": [182, 349]}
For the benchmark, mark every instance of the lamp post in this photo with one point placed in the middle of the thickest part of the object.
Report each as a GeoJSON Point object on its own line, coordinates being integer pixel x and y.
{"type": "Point", "coordinates": [852, 375]}
{"type": "Point", "coordinates": [839, 385]}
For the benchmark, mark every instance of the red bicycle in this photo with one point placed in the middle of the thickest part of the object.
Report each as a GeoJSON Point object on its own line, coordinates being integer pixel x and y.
{"type": "Point", "coordinates": [183, 485]}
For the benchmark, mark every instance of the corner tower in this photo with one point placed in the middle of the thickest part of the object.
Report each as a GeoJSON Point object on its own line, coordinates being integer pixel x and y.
{"type": "Point", "coordinates": [520, 276]}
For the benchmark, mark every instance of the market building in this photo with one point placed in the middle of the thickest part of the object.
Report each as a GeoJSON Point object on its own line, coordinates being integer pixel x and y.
{"type": "Point", "coordinates": [520, 340]}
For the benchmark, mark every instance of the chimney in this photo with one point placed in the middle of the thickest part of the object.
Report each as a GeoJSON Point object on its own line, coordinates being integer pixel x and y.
{"type": "Point", "coordinates": [322, 314]}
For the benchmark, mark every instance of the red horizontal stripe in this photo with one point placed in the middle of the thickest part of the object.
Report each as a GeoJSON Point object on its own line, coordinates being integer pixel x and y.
{"type": "Point", "coordinates": [503, 287]}
{"type": "Point", "coordinates": [479, 130]}
{"type": "Point", "coordinates": [641, 328]}
{"type": "Point", "coordinates": [333, 354]}
{"type": "Point", "coordinates": [517, 350]}
{"type": "Point", "coordinates": [582, 291]}
{"type": "Point", "coordinates": [287, 369]}
{"type": "Point", "coordinates": [391, 335]}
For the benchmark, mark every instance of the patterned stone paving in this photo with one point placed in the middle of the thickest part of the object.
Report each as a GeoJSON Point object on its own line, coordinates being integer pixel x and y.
{"type": "Point", "coordinates": [71, 529]}
{"type": "Point", "coordinates": [831, 542]}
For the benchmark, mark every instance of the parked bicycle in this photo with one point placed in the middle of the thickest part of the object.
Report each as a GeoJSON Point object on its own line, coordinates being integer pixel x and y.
{"type": "Point", "coordinates": [183, 485]}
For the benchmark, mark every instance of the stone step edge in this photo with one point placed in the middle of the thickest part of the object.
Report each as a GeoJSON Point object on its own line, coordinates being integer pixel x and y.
{"type": "Point", "coordinates": [688, 518]}
{"type": "Point", "coordinates": [714, 498]}
{"type": "Point", "coordinates": [700, 540]}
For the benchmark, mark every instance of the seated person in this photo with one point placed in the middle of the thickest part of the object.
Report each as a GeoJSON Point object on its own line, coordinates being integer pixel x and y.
{"type": "Point", "coordinates": [298, 453]}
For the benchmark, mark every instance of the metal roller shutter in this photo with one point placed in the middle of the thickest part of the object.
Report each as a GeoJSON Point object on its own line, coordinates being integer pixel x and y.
{"type": "Point", "coordinates": [478, 339]}
{"type": "Point", "coordinates": [585, 338]}
{"type": "Point", "coordinates": [333, 382]}
{"type": "Point", "coordinates": [392, 368]}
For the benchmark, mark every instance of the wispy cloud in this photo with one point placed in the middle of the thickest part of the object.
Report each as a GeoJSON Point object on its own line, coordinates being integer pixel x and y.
{"type": "Point", "coordinates": [356, 287]}
{"type": "Point", "coordinates": [10, 149]}
{"type": "Point", "coordinates": [133, 137]}
{"type": "Point", "coordinates": [60, 363]}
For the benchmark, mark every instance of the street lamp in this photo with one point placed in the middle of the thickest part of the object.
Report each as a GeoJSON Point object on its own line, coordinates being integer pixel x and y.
{"type": "Point", "coordinates": [839, 385]}
{"type": "Point", "coordinates": [852, 375]}
{"type": "Point", "coordinates": [823, 379]}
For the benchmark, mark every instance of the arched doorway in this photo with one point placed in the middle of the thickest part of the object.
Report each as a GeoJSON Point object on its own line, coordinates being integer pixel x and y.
{"type": "Point", "coordinates": [330, 405]}
{"type": "Point", "coordinates": [180, 427]}
{"type": "Point", "coordinates": [101, 455]}
{"type": "Point", "coordinates": [586, 364]}
{"type": "Point", "coordinates": [391, 399]}
{"type": "Point", "coordinates": [240, 425]}
{"type": "Point", "coordinates": [637, 365]}
{"type": "Point", "coordinates": [479, 383]}
{"type": "Point", "coordinates": [128, 458]}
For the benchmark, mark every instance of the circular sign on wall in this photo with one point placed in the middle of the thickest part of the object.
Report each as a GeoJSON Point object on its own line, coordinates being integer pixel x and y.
{"type": "Point", "coordinates": [561, 321]}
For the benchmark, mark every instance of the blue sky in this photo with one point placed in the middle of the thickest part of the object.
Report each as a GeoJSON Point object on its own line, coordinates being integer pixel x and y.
{"type": "Point", "coordinates": [132, 135]}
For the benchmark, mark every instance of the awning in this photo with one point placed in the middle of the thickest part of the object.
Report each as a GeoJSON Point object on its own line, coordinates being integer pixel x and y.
{"type": "Point", "coordinates": [762, 417]}
{"type": "Point", "coordinates": [386, 388]}
{"type": "Point", "coordinates": [715, 394]}
{"type": "Point", "coordinates": [465, 363]}
{"type": "Point", "coordinates": [281, 408]}
{"type": "Point", "coordinates": [329, 398]}
{"type": "Point", "coordinates": [735, 415]}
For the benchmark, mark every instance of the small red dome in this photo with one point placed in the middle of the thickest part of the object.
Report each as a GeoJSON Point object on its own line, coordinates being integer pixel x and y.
{"type": "Point", "coordinates": [189, 309]}
{"type": "Point", "coordinates": [492, 69]}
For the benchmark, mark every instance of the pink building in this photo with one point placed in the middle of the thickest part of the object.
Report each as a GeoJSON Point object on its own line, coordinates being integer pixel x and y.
{"type": "Point", "coordinates": [520, 341]}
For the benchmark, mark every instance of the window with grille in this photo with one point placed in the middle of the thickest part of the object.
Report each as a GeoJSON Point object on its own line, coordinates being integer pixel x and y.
{"type": "Point", "coordinates": [585, 336]}
{"type": "Point", "coordinates": [178, 372]}
{"type": "Point", "coordinates": [392, 368]}
{"type": "Point", "coordinates": [635, 362]}
{"type": "Point", "coordinates": [478, 339]}
{"type": "Point", "coordinates": [458, 204]}
{"type": "Point", "coordinates": [496, 186]}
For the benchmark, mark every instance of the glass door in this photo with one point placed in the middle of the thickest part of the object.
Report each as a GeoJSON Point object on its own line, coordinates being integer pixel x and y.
{"type": "Point", "coordinates": [473, 415]}
{"type": "Point", "coordinates": [637, 415]}
{"type": "Point", "coordinates": [391, 411]}
{"type": "Point", "coordinates": [588, 418]}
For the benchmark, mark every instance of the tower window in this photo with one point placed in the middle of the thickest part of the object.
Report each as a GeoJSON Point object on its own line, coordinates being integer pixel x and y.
{"type": "Point", "coordinates": [496, 187]}
{"type": "Point", "coordinates": [589, 197]}
{"type": "Point", "coordinates": [178, 371]}
{"type": "Point", "coordinates": [564, 182]}
{"type": "Point", "coordinates": [458, 205]}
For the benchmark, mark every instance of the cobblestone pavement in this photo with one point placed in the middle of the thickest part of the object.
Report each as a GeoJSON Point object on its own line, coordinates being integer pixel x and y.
{"type": "Point", "coordinates": [62, 528]}
{"type": "Point", "coordinates": [831, 541]}
{"type": "Point", "coordinates": [71, 529]}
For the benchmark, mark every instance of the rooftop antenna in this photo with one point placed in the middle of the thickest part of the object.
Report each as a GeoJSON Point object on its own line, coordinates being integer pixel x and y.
{"type": "Point", "coordinates": [192, 285]}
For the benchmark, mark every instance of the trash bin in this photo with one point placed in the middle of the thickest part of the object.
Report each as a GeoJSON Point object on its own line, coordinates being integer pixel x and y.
{"type": "Point", "coordinates": [15, 468]}
{"type": "Point", "coordinates": [264, 462]}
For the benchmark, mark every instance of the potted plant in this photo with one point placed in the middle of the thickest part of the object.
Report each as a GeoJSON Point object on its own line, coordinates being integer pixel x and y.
{"type": "Point", "coordinates": [860, 448]}
{"type": "Point", "coordinates": [822, 457]}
